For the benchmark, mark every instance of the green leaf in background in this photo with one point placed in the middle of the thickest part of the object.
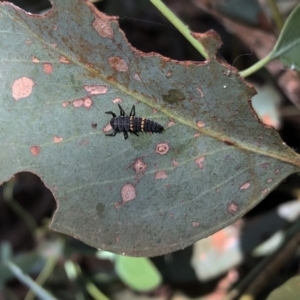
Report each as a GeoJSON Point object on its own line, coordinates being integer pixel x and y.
{"type": "Point", "coordinates": [289, 290]}
{"type": "Point", "coordinates": [287, 48]}
{"type": "Point", "coordinates": [24, 261]}
{"type": "Point", "coordinates": [138, 273]}
{"type": "Point", "coordinates": [147, 195]}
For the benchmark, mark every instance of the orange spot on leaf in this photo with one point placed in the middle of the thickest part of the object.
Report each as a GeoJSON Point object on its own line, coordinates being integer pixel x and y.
{"type": "Point", "coordinates": [245, 186]}
{"type": "Point", "coordinates": [117, 100]}
{"type": "Point", "coordinates": [35, 60]}
{"type": "Point", "coordinates": [200, 161]}
{"type": "Point", "coordinates": [65, 104]}
{"type": "Point", "coordinates": [57, 139]}
{"type": "Point", "coordinates": [102, 26]}
{"type": "Point", "coordinates": [128, 192]}
{"type": "Point", "coordinates": [162, 148]}
{"type": "Point", "coordinates": [64, 60]}
{"type": "Point", "coordinates": [35, 150]}
{"type": "Point", "coordinates": [200, 124]}
{"type": "Point", "coordinates": [232, 207]}
{"type": "Point", "coordinates": [86, 102]}
{"type": "Point", "coordinates": [118, 64]}
{"type": "Point", "coordinates": [137, 77]}
{"type": "Point", "coordinates": [195, 224]}
{"type": "Point", "coordinates": [96, 89]}
{"type": "Point", "coordinates": [22, 88]}
{"type": "Point", "coordinates": [47, 68]}
{"type": "Point", "coordinates": [139, 166]}
{"type": "Point", "coordinates": [160, 175]}
{"type": "Point", "coordinates": [174, 163]}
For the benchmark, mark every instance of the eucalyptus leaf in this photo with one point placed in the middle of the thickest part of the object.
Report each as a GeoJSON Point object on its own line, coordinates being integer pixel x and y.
{"type": "Point", "coordinates": [287, 48]}
{"type": "Point", "coordinates": [146, 195]}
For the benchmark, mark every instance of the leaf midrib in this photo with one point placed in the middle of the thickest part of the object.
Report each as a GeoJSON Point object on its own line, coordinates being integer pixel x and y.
{"type": "Point", "coordinates": [145, 100]}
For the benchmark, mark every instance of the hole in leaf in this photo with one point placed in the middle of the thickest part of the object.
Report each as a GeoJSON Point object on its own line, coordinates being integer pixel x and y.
{"type": "Point", "coordinates": [25, 203]}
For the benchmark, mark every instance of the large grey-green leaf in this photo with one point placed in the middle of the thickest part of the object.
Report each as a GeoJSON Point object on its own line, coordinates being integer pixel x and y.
{"type": "Point", "coordinates": [287, 47]}
{"type": "Point", "coordinates": [147, 195]}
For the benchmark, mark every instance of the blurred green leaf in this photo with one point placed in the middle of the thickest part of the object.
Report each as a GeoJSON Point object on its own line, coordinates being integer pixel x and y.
{"type": "Point", "coordinates": [26, 262]}
{"type": "Point", "coordinates": [287, 48]}
{"type": "Point", "coordinates": [289, 290]}
{"type": "Point", "coordinates": [147, 195]}
{"type": "Point", "coordinates": [138, 273]}
{"type": "Point", "coordinates": [25, 279]}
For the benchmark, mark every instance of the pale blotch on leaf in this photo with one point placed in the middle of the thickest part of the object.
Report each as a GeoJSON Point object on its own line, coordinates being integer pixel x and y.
{"type": "Point", "coordinates": [269, 180]}
{"type": "Point", "coordinates": [107, 128]}
{"type": "Point", "coordinates": [118, 63]}
{"type": "Point", "coordinates": [64, 60]}
{"type": "Point", "coordinates": [96, 89]}
{"type": "Point", "coordinates": [22, 88]}
{"type": "Point", "coordinates": [169, 74]}
{"type": "Point", "coordinates": [200, 124]}
{"type": "Point", "coordinates": [35, 60]}
{"type": "Point", "coordinates": [195, 224]}
{"type": "Point", "coordinates": [86, 102]}
{"type": "Point", "coordinates": [117, 100]}
{"type": "Point", "coordinates": [137, 77]}
{"type": "Point", "coordinates": [266, 190]}
{"type": "Point", "coordinates": [160, 175]}
{"type": "Point", "coordinates": [128, 192]}
{"type": "Point", "coordinates": [171, 123]}
{"type": "Point", "coordinates": [200, 161]}
{"type": "Point", "coordinates": [245, 186]}
{"type": "Point", "coordinates": [200, 92]}
{"type": "Point", "coordinates": [196, 134]}
{"type": "Point", "coordinates": [103, 27]}
{"type": "Point", "coordinates": [57, 139]}
{"type": "Point", "coordinates": [35, 150]}
{"type": "Point", "coordinates": [162, 149]}
{"type": "Point", "coordinates": [174, 163]}
{"type": "Point", "coordinates": [232, 207]}
{"type": "Point", "coordinates": [47, 68]}
{"type": "Point", "coordinates": [139, 166]}
{"type": "Point", "coordinates": [65, 104]}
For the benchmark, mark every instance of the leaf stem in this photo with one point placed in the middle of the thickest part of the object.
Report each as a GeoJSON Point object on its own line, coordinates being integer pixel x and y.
{"type": "Point", "coordinates": [95, 292]}
{"type": "Point", "coordinates": [24, 278]}
{"type": "Point", "coordinates": [261, 63]}
{"type": "Point", "coordinates": [181, 27]}
{"type": "Point", "coordinates": [43, 276]}
{"type": "Point", "coordinates": [275, 14]}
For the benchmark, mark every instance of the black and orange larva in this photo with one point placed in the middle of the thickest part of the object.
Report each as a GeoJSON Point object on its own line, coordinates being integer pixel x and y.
{"type": "Point", "coordinates": [132, 124]}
